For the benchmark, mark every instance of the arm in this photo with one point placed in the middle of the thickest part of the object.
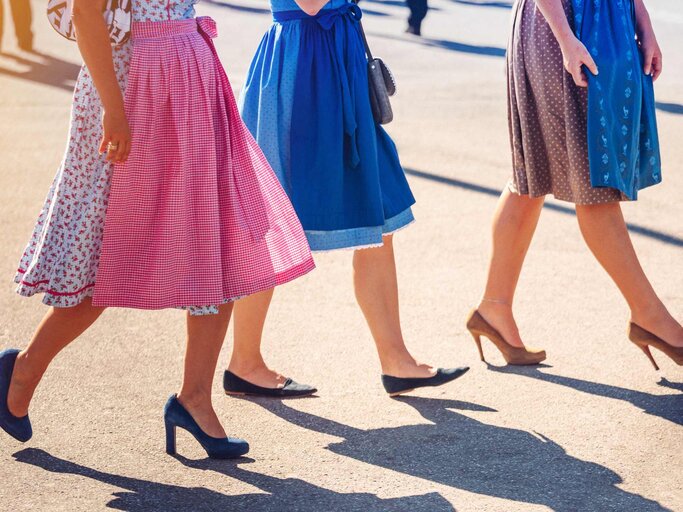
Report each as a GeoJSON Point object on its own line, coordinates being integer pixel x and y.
{"type": "Point", "coordinates": [573, 51]}
{"type": "Point", "coordinates": [652, 54]}
{"type": "Point", "coordinates": [93, 42]}
{"type": "Point", "coordinates": [311, 7]}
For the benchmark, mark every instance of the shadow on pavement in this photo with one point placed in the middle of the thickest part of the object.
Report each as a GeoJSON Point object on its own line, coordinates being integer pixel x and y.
{"type": "Point", "coordinates": [46, 69]}
{"type": "Point", "coordinates": [494, 192]}
{"type": "Point", "coordinates": [444, 44]}
{"type": "Point", "coordinates": [671, 108]}
{"type": "Point", "coordinates": [278, 494]}
{"type": "Point", "coordinates": [667, 407]}
{"type": "Point", "coordinates": [464, 453]}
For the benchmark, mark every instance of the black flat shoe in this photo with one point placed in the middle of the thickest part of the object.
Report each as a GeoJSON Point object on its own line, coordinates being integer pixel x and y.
{"type": "Point", "coordinates": [18, 428]}
{"type": "Point", "coordinates": [397, 386]}
{"type": "Point", "coordinates": [234, 385]}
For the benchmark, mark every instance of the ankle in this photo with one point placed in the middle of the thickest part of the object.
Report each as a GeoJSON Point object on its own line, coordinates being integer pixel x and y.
{"type": "Point", "coordinates": [24, 373]}
{"type": "Point", "coordinates": [243, 367]}
{"type": "Point", "coordinates": [397, 362]}
{"type": "Point", "coordinates": [194, 399]}
{"type": "Point", "coordinates": [649, 313]}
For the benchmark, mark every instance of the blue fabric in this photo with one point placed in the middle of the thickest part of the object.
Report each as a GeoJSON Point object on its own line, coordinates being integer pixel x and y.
{"type": "Point", "coordinates": [623, 144]}
{"type": "Point", "coordinates": [306, 102]}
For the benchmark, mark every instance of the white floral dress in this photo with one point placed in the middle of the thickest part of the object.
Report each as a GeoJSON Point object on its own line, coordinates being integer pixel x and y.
{"type": "Point", "coordinates": [62, 256]}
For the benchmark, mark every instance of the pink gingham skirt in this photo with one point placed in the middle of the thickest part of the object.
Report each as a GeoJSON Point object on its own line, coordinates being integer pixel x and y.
{"type": "Point", "coordinates": [196, 216]}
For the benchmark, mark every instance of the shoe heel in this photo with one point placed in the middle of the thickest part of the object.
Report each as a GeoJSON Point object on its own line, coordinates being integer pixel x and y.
{"type": "Point", "coordinates": [170, 438]}
{"type": "Point", "coordinates": [646, 348]}
{"type": "Point", "coordinates": [477, 341]}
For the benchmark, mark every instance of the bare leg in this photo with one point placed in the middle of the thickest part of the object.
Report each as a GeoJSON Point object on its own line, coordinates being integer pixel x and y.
{"type": "Point", "coordinates": [514, 224]}
{"type": "Point", "coordinates": [604, 230]}
{"type": "Point", "coordinates": [59, 327]}
{"type": "Point", "coordinates": [376, 289]}
{"type": "Point", "coordinates": [205, 336]}
{"type": "Point", "coordinates": [247, 361]}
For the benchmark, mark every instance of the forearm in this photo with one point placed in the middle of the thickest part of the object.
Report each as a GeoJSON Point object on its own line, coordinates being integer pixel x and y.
{"type": "Point", "coordinates": [311, 7]}
{"type": "Point", "coordinates": [553, 12]}
{"type": "Point", "coordinates": [643, 22]}
{"type": "Point", "coordinates": [93, 42]}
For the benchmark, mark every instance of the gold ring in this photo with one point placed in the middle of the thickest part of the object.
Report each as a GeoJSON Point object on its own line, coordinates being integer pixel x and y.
{"type": "Point", "coordinates": [112, 147]}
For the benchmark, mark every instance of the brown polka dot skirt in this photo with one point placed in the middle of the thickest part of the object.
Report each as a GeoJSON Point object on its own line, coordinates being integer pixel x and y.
{"type": "Point", "coordinates": [547, 115]}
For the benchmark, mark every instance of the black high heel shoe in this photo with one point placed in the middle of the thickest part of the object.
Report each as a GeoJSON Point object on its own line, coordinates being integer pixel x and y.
{"type": "Point", "coordinates": [175, 415]}
{"type": "Point", "coordinates": [397, 385]}
{"type": "Point", "coordinates": [19, 428]}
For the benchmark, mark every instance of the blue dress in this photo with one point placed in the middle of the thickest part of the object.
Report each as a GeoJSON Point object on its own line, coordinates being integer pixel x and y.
{"type": "Point", "coordinates": [307, 104]}
{"type": "Point", "coordinates": [623, 144]}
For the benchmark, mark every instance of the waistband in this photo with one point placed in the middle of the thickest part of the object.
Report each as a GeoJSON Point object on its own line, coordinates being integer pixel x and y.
{"type": "Point", "coordinates": [171, 28]}
{"type": "Point", "coordinates": [325, 17]}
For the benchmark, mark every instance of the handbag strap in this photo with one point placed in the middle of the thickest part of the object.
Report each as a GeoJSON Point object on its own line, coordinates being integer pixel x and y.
{"type": "Point", "coordinates": [368, 53]}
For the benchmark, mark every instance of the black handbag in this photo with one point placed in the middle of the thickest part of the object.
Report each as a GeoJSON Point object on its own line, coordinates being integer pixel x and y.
{"type": "Point", "coordinates": [381, 84]}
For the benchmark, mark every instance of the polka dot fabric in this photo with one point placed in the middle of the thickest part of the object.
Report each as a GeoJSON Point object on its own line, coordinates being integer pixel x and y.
{"type": "Point", "coordinates": [547, 115]}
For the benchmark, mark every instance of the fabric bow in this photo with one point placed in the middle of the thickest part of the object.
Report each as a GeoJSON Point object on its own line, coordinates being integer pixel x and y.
{"type": "Point", "coordinates": [208, 25]}
{"type": "Point", "coordinates": [327, 17]}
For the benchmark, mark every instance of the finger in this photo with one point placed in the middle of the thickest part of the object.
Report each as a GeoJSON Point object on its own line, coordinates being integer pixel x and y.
{"type": "Point", "coordinates": [657, 67]}
{"type": "Point", "coordinates": [118, 154]}
{"type": "Point", "coordinates": [579, 77]}
{"type": "Point", "coordinates": [104, 143]}
{"type": "Point", "coordinates": [112, 149]}
{"type": "Point", "coordinates": [126, 151]}
{"type": "Point", "coordinates": [590, 64]}
{"type": "Point", "coordinates": [647, 60]}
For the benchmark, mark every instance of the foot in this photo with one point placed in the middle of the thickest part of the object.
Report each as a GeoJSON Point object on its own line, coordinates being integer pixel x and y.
{"type": "Point", "coordinates": [660, 323]}
{"type": "Point", "coordinates": [259, 375]}
{"type": "Point", "coordinates": [407, 368]}
{"type": "Point", "coordinates": [22, 387]}
{"type": "Point", "coordinates": [202, 411]}
{"type": "Point", "coordinates": [413, 30]}
{"type": "Point", "coordinates": [500, 317]}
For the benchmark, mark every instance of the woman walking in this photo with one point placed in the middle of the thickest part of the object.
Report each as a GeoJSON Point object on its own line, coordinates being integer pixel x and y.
{"type": "Point", "coordinates": [592, 149]}
{"type": "Point", "coordinates": [306, 101]}
{"type": "Point", "coordinates": [182, 210]}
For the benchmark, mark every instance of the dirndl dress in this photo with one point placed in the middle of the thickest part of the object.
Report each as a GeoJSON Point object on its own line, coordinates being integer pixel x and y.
{"type": "Point", "coordinates": [306, 102]}
{"type": "Point", "coordinates": [195, 217]}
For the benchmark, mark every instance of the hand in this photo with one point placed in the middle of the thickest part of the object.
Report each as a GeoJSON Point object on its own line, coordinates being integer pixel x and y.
{"type": "Point", "coordinates": [575, 57]}
{"type": "Point", "coordinates": [116, 138]}
{"type": "Point", "coordinates": [652, 53]}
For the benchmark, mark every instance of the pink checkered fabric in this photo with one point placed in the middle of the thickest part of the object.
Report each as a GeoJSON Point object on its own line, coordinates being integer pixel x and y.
{"type": "Point", "coordinates": [196, 216]}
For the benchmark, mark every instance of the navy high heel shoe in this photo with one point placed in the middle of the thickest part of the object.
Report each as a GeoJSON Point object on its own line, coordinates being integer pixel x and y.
{"type": "Point", "coordinates": [19, 428]}
{"type": "Point", "coordinates": [175, 415]}
{"type": "Point", "coordinates": [396, 386]}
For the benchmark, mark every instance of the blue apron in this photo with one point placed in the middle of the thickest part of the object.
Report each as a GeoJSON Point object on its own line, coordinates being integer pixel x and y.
{"type": "Point", "coordinates": [344, 170]}
{"type": "Point", "coordinates": [623, 145]}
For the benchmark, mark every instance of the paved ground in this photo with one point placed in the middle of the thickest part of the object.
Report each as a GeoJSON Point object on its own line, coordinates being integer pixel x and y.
{"type": "Point", "coordinates": [595, 430]}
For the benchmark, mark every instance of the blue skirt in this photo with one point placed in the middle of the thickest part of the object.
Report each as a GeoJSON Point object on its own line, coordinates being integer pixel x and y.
{"type": "Point", "coordinates": [307, 104]}
{"type": "Point", "coordinates": [623, 144]}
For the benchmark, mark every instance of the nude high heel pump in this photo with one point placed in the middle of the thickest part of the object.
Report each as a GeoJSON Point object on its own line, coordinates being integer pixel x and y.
{"type": "Point", "coordinates": [518, 356]}
{"type": "Point", "coordinates": [644, 339]}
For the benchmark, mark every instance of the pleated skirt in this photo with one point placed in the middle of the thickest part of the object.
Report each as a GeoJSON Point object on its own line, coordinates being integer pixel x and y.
{"type": "Point", "coordinates": [195, 217]}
